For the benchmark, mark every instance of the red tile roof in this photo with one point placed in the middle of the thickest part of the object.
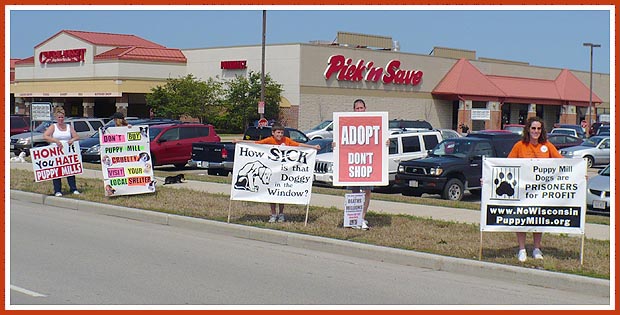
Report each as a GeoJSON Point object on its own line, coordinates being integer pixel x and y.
{"type": "Point", "coordinates": [144, 54]}
{"type": "Point", "coordinates": [128, 47]}
{"type": "Point", "coordinates": [107, 39]}
{"type": "Point", "coordinates": [466, 81]}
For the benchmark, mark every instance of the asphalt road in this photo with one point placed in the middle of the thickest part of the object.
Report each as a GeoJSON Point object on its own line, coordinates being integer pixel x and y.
{"type": "Point", "coordinates": [65, 257]}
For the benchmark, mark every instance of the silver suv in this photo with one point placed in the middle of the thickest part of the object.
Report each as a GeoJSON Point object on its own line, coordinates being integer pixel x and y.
{"type": "Point", "coordinates": [404, 145]}
{"type": "Point", "coordinates": [85, 127]}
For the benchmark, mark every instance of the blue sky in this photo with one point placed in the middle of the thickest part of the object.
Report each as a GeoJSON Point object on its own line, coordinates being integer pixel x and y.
{"type": "Point", "coordinates": [550, 37]}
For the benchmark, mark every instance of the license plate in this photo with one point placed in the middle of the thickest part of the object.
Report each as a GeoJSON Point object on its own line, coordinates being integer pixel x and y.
{"type": "Point", "coordinates": [413, 183]}
{"type": "Point", "coordinates": [599, 204]}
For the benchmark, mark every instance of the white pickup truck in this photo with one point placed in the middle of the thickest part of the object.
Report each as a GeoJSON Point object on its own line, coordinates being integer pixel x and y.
{"type": "Point", "coordinates": [404, 145]}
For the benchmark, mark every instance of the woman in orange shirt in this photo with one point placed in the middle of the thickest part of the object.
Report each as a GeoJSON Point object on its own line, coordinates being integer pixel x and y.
{"type": "Point", "coordinates": [534, 144]}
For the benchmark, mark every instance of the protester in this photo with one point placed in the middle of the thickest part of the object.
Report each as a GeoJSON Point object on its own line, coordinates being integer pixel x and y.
{"type": "Point", "coordinates": [119, 119]}
{"type": "Point", "coordinates": [58, 133]}
{"type": "Point", "coordinates": [278, 138]}
{"type": "Point", "coordinates": [533, 144]}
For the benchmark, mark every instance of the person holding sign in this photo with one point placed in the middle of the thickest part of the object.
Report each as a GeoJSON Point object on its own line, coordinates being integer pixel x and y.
{"type": "Point", "coordinates": [58, 133]}
{"type": "Point", "coordinates": [278, 138]}
{"type": "Point", "coordinates": [533, 144]}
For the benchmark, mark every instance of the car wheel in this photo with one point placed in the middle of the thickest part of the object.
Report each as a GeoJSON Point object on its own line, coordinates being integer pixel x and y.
{"type": "Point", "coordinates": [589, 161]}
{"type": "Point", "coordinates": [453, 190]}
{"type": "Point", "coordinates": [212, 172]}
{"type": "Point", "coordinates": [179, 166]}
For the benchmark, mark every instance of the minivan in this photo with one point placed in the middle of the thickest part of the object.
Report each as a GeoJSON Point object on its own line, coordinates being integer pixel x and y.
{"type": "Point", "coordinates": [172, 143]}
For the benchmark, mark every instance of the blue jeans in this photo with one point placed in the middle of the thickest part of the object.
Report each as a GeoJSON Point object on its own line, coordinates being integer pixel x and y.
{"type": "Point", "coordinates": [58, 184]}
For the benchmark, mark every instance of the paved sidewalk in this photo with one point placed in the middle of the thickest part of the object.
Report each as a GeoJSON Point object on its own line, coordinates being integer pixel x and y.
{"type": "Point", "coordinates": [593, 231]}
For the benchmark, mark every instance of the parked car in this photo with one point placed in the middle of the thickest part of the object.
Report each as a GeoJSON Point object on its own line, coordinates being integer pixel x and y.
{"type": "Point", "coordinates": [19, 124]}
{"type": "Point", "coordinates": [603, 131]}
{"type": "Point", "coordinates": [258, 133]}
{"type": "Point", "coordinates": [596, 150]}
{"type": "Point", "coordinates": [172, 143]}
{"type": "Point", "coordinates": [564, 131]}
{"type": "Point", "coordinates": [454, 165]}
{"type": "Point", "coordinates": [595, 126]}
{"type": "Point", "coordinates": [85, 127]}
{"type": "Point", "coordinates": [90, 147]}
{"type": "Point", "coordinates": [404, 145]}
{"type": "Point", "coordinates": [599, 192]}
{"type": "Point", "coordinates": [577, 128]}
{"type": "Point", "coordinates": [516, 128]}
{"type": "Point", "coordinates": [561, 141]}
{"type": "Point", "coordinates": [321, 131]}
{"type": "Point", "coordinates": [325, 144]}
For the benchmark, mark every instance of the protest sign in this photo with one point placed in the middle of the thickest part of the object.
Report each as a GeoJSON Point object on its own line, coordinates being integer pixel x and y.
{"type": "Point", "coordinates": [126, 160]}
{"type": "Point", "coordinates": [353, 209]}
{"type": "Point", "coordinates": [52, 162]}
{"type": "Point", "coordinates": [274, 174]}
{"type": "Point", "coordinates": [361, 155]}
{"type": "Point", "coordinates": [533, 195]}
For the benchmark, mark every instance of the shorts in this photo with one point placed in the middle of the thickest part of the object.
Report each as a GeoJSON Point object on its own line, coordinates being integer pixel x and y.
{"type": "Point", "coordinates": [360, 188]}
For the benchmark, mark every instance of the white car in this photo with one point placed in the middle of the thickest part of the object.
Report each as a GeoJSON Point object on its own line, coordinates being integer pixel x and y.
{"type": "Point", "coordinates": [404, 145]}
{"type": "Point", "coordinates": [596, 150]}
{"type": "Point", "coordinates": [321, 131]}
{"type": "Point", "coordinates": [598, 192]}
{"type": "Point", "coordinates": [564, 131]}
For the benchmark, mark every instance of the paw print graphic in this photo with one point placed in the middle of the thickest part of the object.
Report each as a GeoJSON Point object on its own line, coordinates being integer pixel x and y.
{"type": "Point", "coordinates": [505, 184]}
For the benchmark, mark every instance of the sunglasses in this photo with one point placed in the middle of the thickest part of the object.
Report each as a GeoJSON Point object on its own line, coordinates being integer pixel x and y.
{"type": "Point", "coordinates": [535, 128]}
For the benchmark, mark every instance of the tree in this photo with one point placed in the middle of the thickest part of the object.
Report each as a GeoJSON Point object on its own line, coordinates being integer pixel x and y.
{"type": "Point", "coordinates": [242, 97]}
{"type": "Point", "coordinates": [187, 96]}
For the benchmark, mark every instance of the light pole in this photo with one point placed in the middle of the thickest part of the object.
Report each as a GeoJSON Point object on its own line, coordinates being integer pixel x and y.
{"type": "Point", "coordinates": [590, 103]}
{"type": "Point", "coordinates": [262, 67]}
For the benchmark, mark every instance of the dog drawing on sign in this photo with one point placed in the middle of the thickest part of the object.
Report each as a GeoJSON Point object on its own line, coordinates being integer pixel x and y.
{"type": "Point", "coordinates": [250, 174]}
{"type": "Point", "coordinates": [174, 179]}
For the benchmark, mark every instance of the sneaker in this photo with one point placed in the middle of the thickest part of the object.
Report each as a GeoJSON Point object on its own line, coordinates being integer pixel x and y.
{"type": "Point", "coordinates": [273, 218]}
{"type": "Point", "coordinates": [281, 217]}
{"type": "Point", "coordinates": [537, 253]}
{"type": "Point", "coordinates": [75, 192]}
{"type": "Point", "coordinates": [58, 194]}
{"type": "Point", "coordinates": [522, 255]}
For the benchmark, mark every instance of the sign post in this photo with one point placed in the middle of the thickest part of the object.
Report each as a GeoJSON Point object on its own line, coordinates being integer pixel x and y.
{"type": "Point", "coordinates": [39, 111]}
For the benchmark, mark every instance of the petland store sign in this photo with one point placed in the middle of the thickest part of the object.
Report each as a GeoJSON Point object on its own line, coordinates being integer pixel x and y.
{"type": "Point", "coordinates": [346, 70]}
{"type": "Point", "coordinates": [60, 56]}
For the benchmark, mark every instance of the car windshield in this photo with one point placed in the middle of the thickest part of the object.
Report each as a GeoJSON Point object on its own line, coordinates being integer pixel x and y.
{"type": "Point", "coordinates": [605, 171]}
{"type": "Point", "coordinates": [591, 142]}
{"type": "Point", "coordinates": [452, 148]}
{"type": "Point", "coordinates": [43, 126]}
{"type": "Point", "coordinates": [322, 125]}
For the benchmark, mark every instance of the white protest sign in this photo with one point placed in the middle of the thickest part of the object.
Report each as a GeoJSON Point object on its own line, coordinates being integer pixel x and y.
{"type": "Point", "coordinates": [533, 195]}
{"type": "Point", "coordinates": [126, 160]}
{"type": "Point", "coordinates": [353, 209]}
{"type": "Point", "coordinates": [271, 173]}
{"type": "Point", "coordinates": [52, 162]}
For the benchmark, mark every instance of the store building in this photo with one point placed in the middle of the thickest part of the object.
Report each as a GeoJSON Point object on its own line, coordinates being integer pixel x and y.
{"type": "Point", "coordinates": [96, 74]}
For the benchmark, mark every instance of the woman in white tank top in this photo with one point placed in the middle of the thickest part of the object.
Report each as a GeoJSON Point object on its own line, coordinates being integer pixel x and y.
{"type": "Point", "coordinates": [55, 134]}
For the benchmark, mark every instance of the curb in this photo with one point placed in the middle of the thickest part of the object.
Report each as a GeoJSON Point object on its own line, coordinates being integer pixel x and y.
{"type": "Point", "coordinates": [534, 277]}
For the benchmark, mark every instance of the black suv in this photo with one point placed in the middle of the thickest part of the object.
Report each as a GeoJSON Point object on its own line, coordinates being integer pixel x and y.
{"type": "Point", "coordinates": [409, 124]}
{"type": "Point", "coordinates": [258, 133]}
{"type": "Point", "coordinates": [454, 165]}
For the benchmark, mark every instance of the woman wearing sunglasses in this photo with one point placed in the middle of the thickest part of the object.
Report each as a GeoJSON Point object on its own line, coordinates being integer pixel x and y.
{"type": "Point", "coordinates": [533, 144]}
